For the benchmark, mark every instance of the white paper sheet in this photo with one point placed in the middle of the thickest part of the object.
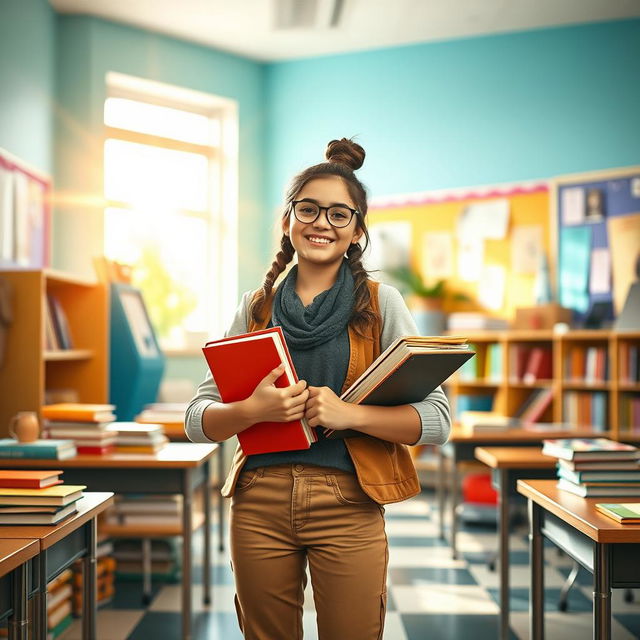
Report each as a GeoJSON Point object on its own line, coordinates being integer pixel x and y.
{"type": "Point", "coordinates": [489, 219]}
{"type": "Point", "coordinates": [491, 287]}
{"type": "Point", "coordinates": [600, 272]}
{"type": "Point", "coordinates": [526, 247]}
{"type": "Point", "coordinates": [470, 258]}
{"type": "Point", "coordinates": [437, 255]}
{"type": "Point", "coordinates": [573, 205]}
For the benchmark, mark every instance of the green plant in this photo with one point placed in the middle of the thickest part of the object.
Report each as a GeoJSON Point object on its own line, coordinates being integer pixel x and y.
{"type": "Point", "coordinates": [411, 282]}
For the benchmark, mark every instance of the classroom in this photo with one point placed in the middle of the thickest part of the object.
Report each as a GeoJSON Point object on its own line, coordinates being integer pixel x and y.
{"type": "Point", "coordinates": [319, 318]}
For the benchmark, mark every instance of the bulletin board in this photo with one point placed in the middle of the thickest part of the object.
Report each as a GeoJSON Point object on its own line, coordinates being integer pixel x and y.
{"type": "Point", "coordinates": [25, 214]}
{"type": "Point", "coordinates": [432, 224]}
{"type": "Point", "coordinates": [597, 235]}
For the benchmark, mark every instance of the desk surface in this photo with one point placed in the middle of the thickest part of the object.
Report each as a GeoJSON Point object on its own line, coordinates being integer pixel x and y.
{"type": "Point", "coordinates": [580, 512]}
{"type": "Point", "coordinates": [89, 506]}
{"type": "Point", "coordinates": [15, 552]}
{"type": "Point", "coordinates": [458, 434]}
{"type": "Point", "coordinates": [514, 458]}
{"type": "Point", "coordinates": [172, 455]}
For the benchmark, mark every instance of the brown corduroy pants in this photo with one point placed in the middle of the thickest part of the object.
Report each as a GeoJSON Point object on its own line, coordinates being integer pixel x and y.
{"type": "Point", "coordinates": [285, 515]}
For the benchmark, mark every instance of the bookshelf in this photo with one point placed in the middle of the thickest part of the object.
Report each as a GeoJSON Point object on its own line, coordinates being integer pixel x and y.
{"type": "Point", "coordinates": [594, 377]}
{"type": "Point", "coordinates": [30, 368]}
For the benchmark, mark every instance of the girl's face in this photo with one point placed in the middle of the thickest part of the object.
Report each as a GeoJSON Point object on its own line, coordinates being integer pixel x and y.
{"type": "Point", "coordinates": [319, 242]}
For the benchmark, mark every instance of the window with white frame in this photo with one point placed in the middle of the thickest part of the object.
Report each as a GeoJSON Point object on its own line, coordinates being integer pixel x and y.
{"type": "Point", "coordinates": [170, 186]}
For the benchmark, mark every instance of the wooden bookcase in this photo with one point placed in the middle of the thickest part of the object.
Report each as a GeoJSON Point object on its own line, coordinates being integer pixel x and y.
{"type": "Point", "coordinates": [584, 362]}
{"type": "Point", "coordinates": [29, 369]}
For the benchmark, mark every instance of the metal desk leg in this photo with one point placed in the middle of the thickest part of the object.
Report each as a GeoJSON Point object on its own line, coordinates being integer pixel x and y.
{"type": "Point", "coordinates": [455, 500]}
{"type": "Point", "coordinates": [146, 571]}
{"type": "Point", "coordinates": [89, 582]}
{"type": "Point", "coordinates": [19, 621]}
{"type": "Point", "coordinates": [601, 592]}
{"type": "Point", "coordinates": [40, 614]}
{"type": "Point", "coordinates": [207, 533]}
{"type": "Point", "coordinates": [187, 508]}
{"type": "Point", "coordinates": [536, 552]}
{"type": "Point", "coordinates": [220, 498]}
{"type": "Point", "coordinates": [440, 488]}
{"type": "Point", "coordinates": [503, 529]}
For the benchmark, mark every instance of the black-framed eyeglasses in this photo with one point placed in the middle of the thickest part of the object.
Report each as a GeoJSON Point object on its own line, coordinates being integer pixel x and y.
{"type": "Point", "coordinates": [307, 212]}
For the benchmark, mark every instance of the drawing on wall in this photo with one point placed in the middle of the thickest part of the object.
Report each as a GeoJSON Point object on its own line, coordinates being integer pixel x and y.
{"type": "Point", "coordinates": [470, 258]}
{"type": "Point", "coordinates": [573, 205]}
{"type": "Point", "coordinates": [491, 287]}
{"type": "Point", "coordinates": [600, 274]}
{"type": "Point", "coordinates": [437, 255]}
{"type": "Point", "coordinates": [486, 219]}
{"type": "Point", "coordinates": [595, 206]}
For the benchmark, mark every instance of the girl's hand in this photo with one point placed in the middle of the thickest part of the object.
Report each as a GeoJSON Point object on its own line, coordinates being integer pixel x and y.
{"type": "Point", "coordinates": [269, 403]}
{"type": "Point", "coordinates": [324, 408]}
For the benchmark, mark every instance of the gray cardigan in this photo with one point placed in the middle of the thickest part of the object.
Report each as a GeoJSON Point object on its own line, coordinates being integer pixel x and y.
{"type": "Point", "coordinates": [396, 321]}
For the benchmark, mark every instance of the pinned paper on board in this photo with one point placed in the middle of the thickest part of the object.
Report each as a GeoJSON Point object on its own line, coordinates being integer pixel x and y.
{"type": "Point", "coordinates": [389, 246]}
{"type": "Point", "coordinates": [526, 247]}
{"type": "Point", "coordinates": [575, 253]}
{"type": "Point", "coordinates": [600, 274]}
{"type": "Point", "coordinates": [573, 205]}
{"type": "Point", "coordinates": [624, 244]}
{"type": "Point", "coordinates": [488, 219]}
{"type": "Point", "coordinates": [470, 258]}
{"type": "Point", "coordinates": [437, 255]}
{"type": "Point", "coordinates": [491, 287]}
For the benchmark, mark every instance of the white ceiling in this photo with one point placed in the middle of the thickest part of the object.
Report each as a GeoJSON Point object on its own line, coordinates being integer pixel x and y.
{"type": "Point", "coordinates": [246, 27]}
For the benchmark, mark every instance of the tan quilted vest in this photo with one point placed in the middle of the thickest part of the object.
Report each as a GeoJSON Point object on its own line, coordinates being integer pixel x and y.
{"type": "Point", "coordinates": [385, 470]}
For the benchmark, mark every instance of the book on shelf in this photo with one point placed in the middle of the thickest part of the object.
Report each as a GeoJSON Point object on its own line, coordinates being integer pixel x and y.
{"type": "Point", "coordinates": [79, 412]}
{"type": "Point", "coordinates": [40, 449]}
{"type": "Point", "coordinates": [590, 491]}
{"type": "Point", "coordinates": [57, 496]}
{"type": "Point", "coordinates": [580, 449]}
{"type": "Point", "coordinates": [624, 513]}
{"type": "Point", "coordinates": [535, 405]}
{"type": "Point", "coordinates": [238, 364]}
{"type": "Point", "coordinates": [58, 319]}
{"type": "Point", "coordinates": [539, 365]}
{"type": "Point", "coordinates": [407, 371]}
{"type": "Point", "coordinates": [23, 479]}
{"type": "Point", "coordinates": [37, 517]}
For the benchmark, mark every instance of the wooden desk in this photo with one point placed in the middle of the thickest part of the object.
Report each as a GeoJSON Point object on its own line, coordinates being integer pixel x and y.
{"type": "Point", "coordinates": [461, 448]}
{"type": "Point", "coordinates": [609, 550]}
{"type": "Point", "coordinates": [177, 468]}
{"type": "Point", "coordinates": [59, 547]}
{"type": "Point", "coordinates": [14, 556]}
{"type": "Point", "coordinates": [508, 464]}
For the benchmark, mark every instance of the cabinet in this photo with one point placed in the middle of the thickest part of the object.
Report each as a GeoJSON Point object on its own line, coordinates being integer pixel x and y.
{"type": "Point", "coordinates": [29, 369]}
{"type": "Point", "coordinates": [591, 376]}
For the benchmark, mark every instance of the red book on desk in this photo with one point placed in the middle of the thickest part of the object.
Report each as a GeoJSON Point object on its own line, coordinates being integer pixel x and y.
{"type": "Point", "coordinates": [238, 364]}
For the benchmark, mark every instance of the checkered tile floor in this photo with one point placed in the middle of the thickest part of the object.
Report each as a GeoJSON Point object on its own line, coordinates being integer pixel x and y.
{"type": "Point", "coordinates": [431, 596]}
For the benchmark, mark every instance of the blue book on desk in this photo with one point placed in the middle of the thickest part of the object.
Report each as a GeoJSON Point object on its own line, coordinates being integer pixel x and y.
{"type": "Point", "coordinates": [41, 449]}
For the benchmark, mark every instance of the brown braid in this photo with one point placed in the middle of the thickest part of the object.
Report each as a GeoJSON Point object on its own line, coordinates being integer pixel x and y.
{"type": "Point", "coordinates": [362, 316]}
{"type": "Point", "coordinates": [282, 259]}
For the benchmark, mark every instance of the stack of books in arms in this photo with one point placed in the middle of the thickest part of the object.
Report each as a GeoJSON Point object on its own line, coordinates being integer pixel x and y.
{"type": "Point", "coordinates": [238, 364]}
{"type": "Point", "coordinates": [59, 604]}
{"type": "Point", "coordinates": [407, 371]}
{"type": "Point", "coordinates": [132, 437]}
{"type": "Point", "coordinates": [85, 424]}
{"type": "Point", "coordinates": [596, 467]}
{"type": "Point", "coordinates": [159, 510]}
{"type": "Point", "coordinates": [36, 497]}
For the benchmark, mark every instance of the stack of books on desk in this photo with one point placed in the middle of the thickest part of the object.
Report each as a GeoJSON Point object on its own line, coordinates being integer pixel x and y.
{"type": "Point", "coordinates": [596, 467]}
{"type": "Point", "coordinates": [36, 497]}
{"type": "Point", "coordinates": [140, 511]}
{"type": "Point", "coordinates": [133, 437]}
{"type": "Point", "coordinates": [59, 607]}
{"type": "Point", "coordinates": [85, 424]}
{"type": "Point", "coordinates": [163, 413]}
{"type": "Point", "coordinates": [45, 449]}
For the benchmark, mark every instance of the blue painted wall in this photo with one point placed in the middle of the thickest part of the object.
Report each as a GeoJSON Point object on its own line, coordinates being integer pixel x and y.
{"type": "Point", "coordinates": [27, 53]}
{"type": "Point", "coordinates": [464, 112]}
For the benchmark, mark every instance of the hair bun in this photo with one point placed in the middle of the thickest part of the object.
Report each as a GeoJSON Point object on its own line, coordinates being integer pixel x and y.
{"type": "Point", "coordinates": [345, 152]}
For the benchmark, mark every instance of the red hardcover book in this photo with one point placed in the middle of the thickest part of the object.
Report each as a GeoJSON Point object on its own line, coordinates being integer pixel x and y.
{"type": "Point", "coordinates": [539, 365]}
{"type": "Point", "coordinates": [95, 451]}
{"type": "Point", "coordinates": [19, 479]}
{"type": "Point", "coordinates": [238, 364]}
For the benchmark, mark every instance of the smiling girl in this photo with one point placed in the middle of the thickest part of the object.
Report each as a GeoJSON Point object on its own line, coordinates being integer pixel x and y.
{"type": "Point", "coordinates": [320, 506]}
